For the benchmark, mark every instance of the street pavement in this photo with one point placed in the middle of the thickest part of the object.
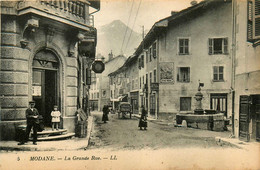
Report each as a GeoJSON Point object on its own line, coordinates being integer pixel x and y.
{"type": "Point", "coordinates": [124, 134]}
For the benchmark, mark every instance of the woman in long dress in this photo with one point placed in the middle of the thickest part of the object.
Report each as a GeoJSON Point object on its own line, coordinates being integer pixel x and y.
{"type": "Point", "coordinates": [105, 114]}
{"type": "Point", "coordinates": [143, 120]}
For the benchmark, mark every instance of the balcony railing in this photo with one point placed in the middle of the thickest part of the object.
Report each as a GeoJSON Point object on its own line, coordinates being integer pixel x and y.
{"type": "Point", "coordinates": [76, 11]}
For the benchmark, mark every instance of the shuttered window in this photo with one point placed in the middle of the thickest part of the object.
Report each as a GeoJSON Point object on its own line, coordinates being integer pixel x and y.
{"type": "Point", "coordinates": [253, 20]}
{"type": "Point", "coordinates": [154, 50]}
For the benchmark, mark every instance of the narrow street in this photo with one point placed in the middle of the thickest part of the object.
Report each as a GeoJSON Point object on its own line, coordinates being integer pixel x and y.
{"type": "Point", "coordinates": [124, 134]}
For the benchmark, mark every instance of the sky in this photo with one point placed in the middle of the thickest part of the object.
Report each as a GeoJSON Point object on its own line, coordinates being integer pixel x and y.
{"type": "Point", "coordinates": [149, 12]}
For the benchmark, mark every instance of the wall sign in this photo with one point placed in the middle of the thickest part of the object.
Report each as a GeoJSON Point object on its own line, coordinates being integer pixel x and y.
{"type": "Point", "coordinates": [37, 90]}
{"type": "Point", "coordinates": [166, 72]}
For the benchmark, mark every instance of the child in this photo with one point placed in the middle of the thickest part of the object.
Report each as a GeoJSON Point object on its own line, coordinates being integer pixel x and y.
{"type": "Point", "coordinates": [55, 118]}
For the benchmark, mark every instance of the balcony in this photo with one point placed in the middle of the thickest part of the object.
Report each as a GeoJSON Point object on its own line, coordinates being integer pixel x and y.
{"type": "Point", "coordinates": [75, 13]}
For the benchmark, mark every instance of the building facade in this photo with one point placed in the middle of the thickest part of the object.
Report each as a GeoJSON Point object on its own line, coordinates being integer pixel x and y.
{"type": "Point", "coordinates": [46, 46]}
{"type": "Point", "coordinates": [103, 85]}
{"type": "Point", "coordinates": [176, 55]}
{"type": "Point", "coordinates": [246, 65]}
{"type": "Point", "coordinates": [124, 84]}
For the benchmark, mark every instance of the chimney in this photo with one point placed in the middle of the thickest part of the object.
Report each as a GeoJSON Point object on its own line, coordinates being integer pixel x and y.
{"type": "Point", "coordinates": [110, 56]}
{"type": "Point", "coordinates": [174, 12]}
{"type": "Point", "coordinates": [193, 3]}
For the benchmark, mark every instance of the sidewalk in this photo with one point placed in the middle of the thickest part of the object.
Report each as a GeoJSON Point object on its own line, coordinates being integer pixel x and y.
{"type": "Point", "coordinates": [222, 138]}
{"type": "Point", "coordinates": [64, 145]}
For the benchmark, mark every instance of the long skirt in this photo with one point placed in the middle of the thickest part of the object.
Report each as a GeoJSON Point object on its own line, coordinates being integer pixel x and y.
{"type": "Point", "coordinates": [105, 117]}
{"type": "Point", "coordinates": [142, 123]}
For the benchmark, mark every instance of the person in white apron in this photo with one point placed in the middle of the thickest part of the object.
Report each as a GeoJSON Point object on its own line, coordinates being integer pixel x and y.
{"type": "Point", "coordinates": [55, 114]}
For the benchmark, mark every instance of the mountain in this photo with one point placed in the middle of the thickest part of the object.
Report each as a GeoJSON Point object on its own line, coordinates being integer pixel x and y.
{"type": "Point", "coordinates": [111, 36]}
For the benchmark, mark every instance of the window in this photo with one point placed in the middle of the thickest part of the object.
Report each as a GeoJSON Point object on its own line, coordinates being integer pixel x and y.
{"type": "Point", "coordinates": [154, 76]}
{"type": "Point", "coordinates": [253, 20]}
{"type": "Point", "coordinates": [147, 54]}
{"type": "Point", "coordinates": [152, 104]}
{"type": "Point", "coordinates": [98, 94]}
{"type": "Point", "coordinates": [140, 82]}
{"type": "Point", "coordinates": [150, 54]}
{"type": "Point", "coordinates": [218, 46]}
{"type": "Point", "coordinates": [142, 61]}
{"type": "Point", "coordinates": [151, 77]}
{"type": "Point", "coordinates": [185, 103]}
{"type": "Point", "coordinates": [218, 102]}
{"type": "Point", "coordinates": [183, 46]}
{"type": "Point", "coordinates": [133, 84]}
{"type": "Point", "coordinates": [183, 74]}
{"type": "Point", "coordinates": [218, 73]}
{"type": "Point", "coordinates": [143, 79]}
{"type": "Point", "coordinates": [146, 80]}
{"type": "Point", "coordinates": [154, 50]}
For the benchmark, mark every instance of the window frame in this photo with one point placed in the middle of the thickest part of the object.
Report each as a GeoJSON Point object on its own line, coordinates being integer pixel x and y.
{"type": "Point", "coordinates": [179, 74]}
{"type": "Point", "coordinates": [189, 45]}
{"type": "Point", "coordinates": [218, 73]}
{"type": "Point", "coordinates": [224, 46]}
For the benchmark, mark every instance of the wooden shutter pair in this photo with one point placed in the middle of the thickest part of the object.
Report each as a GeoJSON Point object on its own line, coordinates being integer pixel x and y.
{"type": "Point", "coordinates": [253, 20]}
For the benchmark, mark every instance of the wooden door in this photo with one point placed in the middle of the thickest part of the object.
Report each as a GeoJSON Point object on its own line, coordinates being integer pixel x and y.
{"type": "Point", "coordinates": [244, 118]}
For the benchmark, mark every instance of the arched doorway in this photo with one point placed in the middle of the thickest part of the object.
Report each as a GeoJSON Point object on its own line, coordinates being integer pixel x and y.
{"type": "Point", "coordinates": [45, 83]}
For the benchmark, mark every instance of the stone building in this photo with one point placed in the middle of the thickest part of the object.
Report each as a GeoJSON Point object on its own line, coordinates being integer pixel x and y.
{"type": "Point", "coordinates": [124, 84]}
{"type": "Point", "coordinates": [46, 46]}
{"type": "Point", "coordinates": [246, 82]}
{"type": "Point", "coordinates": [182, 50]}
{"type": "Point", "coordinates": [101, 86]}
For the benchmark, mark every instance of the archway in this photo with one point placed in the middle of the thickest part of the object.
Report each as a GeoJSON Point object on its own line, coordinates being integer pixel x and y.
{"type": "Point", "coordinates": [45, 85]}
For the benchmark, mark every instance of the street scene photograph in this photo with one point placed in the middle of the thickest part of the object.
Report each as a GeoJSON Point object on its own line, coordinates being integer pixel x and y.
{"type": "Point", "coordinates": [130, 84]}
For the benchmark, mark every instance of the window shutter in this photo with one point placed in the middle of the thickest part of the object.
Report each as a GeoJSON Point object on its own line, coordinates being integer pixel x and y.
{"type": "Point", "coordinates": [188, 78]}
{"type": "Point", "coordinates": [210, 46]}
{"type": "Point", "coordinates": [256, 19]}
{"type": "Point", "coordinates": [250, 21]}
{"type": "Point", "coordinates": [225, 41]}
{"type": "Point", "coordinates": [178, 74]}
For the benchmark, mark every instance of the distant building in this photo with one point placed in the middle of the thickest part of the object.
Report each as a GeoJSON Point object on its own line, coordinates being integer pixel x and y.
{"type": "Point", "coordinates": [124, 84]}
{"type": "Point", "coordinates": [99, 90]}
{"type": "Point", "coordinates": [45, 48]}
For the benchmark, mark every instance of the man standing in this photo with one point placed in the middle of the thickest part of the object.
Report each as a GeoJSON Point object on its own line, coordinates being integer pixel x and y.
{"type": "Point", "coordinates": [32, 116]}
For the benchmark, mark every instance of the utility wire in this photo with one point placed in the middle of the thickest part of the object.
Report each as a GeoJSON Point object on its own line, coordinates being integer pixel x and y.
{"type": "Point", "coordinates": [126, 29]}
{"type": "Point", "coordinates": [133, 24]}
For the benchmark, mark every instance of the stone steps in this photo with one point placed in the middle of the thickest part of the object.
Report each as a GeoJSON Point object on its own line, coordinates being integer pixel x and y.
{"type": "Point", "coordinates": [48, 135]}
{"type": "Point", "coordinates": [57, 137]}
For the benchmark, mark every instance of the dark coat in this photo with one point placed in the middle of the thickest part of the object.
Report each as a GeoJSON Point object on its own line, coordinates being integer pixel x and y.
{"type": "Point", "coordinates": [143, 119]}
{"type": "Point", "coordinates": [29, 116]}
{"type": "Point", "coordinates": [105, 113]}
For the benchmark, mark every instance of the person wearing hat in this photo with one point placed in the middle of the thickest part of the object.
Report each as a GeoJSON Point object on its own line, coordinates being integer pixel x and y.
{"type": "Point", "coordinates": [32, 116]}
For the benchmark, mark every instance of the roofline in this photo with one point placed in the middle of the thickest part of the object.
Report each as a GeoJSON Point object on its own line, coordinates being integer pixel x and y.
{"type": "Point", "coordinates": [164, 23]}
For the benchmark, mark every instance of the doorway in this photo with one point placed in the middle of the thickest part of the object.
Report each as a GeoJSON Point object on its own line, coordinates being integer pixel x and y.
{"type": "Point", "coordinates": [45, 84]}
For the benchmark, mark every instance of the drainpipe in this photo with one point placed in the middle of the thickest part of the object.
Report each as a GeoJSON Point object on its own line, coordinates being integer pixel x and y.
{"type": "Point", "coordinates": [233, 57]}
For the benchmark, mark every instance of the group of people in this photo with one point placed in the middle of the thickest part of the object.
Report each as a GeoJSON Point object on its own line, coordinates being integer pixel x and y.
{"type": "Point", "coordinates": [32, 117]}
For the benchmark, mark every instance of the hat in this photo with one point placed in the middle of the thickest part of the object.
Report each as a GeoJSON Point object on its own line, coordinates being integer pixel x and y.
{"type": "Point", "coordinates": [31, 102]}
{"type": "Point", "coordinates": [55, 106]}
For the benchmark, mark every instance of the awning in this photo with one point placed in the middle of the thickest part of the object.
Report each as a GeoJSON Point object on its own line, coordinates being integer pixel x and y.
{"type": "Point", "coordinates": [119, 99]}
